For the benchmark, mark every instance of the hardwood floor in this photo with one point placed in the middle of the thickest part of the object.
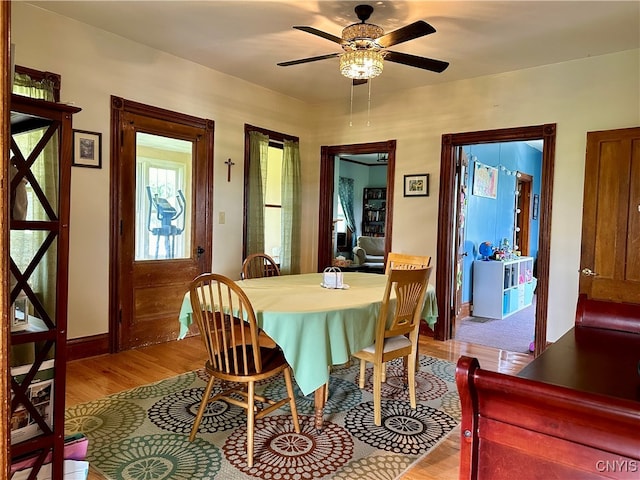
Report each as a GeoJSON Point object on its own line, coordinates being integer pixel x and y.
{"type": "Point", "coordinates": [443, 462]}
{"type": "Point", "coordinates": [92, 378]}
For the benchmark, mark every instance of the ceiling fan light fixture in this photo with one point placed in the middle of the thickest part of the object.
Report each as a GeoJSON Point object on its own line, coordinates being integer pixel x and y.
{"type": "Point", "coordinates": [362, 31]}
{"type": "Point", "coordinates": [361, 64]}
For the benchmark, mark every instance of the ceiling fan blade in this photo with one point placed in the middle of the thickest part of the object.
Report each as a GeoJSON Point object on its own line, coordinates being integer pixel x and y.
{"type": "Point", "coordinates": [320, 33]}
{"type": "Point", "coordinates": [425, 63]}
{"type": "Point", "coordinates": [404, 34]}
{"type": "Point", "coordinates": [307, 60]}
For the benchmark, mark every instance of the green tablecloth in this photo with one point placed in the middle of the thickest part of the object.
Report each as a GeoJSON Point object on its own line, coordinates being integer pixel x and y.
{"type": "Point", "coordinates": [316, 327]}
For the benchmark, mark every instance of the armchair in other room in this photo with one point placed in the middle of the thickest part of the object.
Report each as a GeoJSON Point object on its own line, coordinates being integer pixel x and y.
{"type": "Point", "coordinates": [369, 251]}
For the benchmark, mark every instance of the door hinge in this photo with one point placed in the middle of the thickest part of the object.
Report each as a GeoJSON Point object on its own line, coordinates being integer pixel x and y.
{"type": "Point", "coordinates": [121, 226]}
{"type": "Point", "coordinates": [120, 316]}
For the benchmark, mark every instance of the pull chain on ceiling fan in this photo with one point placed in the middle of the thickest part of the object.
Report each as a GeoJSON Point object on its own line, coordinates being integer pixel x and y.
{"type": "Point", "coordinates": [365, 46]}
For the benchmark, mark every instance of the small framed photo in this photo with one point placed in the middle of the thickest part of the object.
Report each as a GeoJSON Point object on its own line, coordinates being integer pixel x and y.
{"type": "Point", "coordinates": [87, 149]}
{"type": "Point", "coordinates": [416, 185]}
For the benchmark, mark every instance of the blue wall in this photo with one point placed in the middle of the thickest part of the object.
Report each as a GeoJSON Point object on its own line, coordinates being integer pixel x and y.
{"type": "Point", "coordinates": [492, 219]}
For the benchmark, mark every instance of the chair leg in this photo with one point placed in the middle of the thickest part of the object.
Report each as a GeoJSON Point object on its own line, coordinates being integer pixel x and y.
{"type": "Point", "coordinates": [377, 394]}
{"type": "Point", "coordinates": [251, 414]}
{"type": "Point", "coordinates": [405, 372]}
{"type": "Point", "coordinates": [203, 406]}
{"type": "Point", "coordinates": [384, 372]}
{"type": "Point", "coordinates": [411, 374]}
{"type": "Point", "coordinates": [363, 365]}
{"type": "Point", "coordinates": [292, 400]}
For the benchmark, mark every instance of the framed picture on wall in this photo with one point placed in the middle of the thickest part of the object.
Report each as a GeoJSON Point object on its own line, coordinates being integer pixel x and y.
{"type": "Point", "coordinates": [416, 185]}
{"type": "Point", "coordinates": [87, 149]}
{"type": "Point", "coordinates": [485, 181]}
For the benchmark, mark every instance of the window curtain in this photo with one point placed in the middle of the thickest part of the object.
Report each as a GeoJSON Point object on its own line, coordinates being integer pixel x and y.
{"type": "Point", "coordinates": [291, 208]}
{"type": "Point", "coordinates": [258, 151]}
{"type": "Point", "coordinates": [345, 194]}
{"type": "Point", "coordinates": [25, 243]}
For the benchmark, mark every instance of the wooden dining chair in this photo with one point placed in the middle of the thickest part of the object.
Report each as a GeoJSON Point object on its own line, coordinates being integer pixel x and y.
{"type": "Point", "coordinates": [405, 261]}
{"type": "Point", "coordinates": [396, 331]}
{"type": "Point", "coordinates": [228, 328]}
{"type": "Point", "coordinates": [258, 265]}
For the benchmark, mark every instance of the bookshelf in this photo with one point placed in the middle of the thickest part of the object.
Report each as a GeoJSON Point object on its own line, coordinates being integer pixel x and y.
{"type": "Point", "coordinates": [374, 212]}
{"type": "Point", "coordinates": [41, 154]}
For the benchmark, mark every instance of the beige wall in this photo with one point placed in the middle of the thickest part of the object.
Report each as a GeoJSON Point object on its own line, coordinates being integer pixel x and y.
{"type": "Point", "coordinates": [580, 96]}
{"type": "Point", "coordinates": [597, 93]}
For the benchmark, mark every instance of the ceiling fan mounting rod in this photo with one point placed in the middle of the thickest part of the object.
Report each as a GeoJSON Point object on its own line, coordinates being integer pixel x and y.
{"type": "Point", "coordinates": [363, 12]}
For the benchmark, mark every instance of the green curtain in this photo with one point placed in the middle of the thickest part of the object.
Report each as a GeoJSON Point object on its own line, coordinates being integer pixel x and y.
{"type": "Point", "coordinates": [258, 151]}
{"type": "Point", "coordinates": [24, 243]}
{"type": "Point", "coordinates": [345, 194]}
{"type": "Point", "coordinates": [291, 209]}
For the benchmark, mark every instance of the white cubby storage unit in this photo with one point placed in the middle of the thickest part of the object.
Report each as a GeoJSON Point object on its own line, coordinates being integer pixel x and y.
{"type": "Point", "coordinates": [502, 287]}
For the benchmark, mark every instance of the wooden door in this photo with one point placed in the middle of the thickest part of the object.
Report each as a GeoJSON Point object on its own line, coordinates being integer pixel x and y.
{"type": "Point", "coordinates": [461, 218]}
{"type": "Point", "coordinates": [163, 166]}
{"type": "Point", "coordinates": [524, 214]}
{"type": "Point", "coordinates": [610, 256]}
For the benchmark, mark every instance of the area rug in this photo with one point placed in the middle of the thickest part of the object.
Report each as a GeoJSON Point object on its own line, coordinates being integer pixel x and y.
{"type": "Point", "coordinates": [143, 433]}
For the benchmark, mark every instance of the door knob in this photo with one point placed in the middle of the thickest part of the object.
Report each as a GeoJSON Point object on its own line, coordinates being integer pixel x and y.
{"type": "Point", "coordinates": [199, 251]}
{"type": "Point", "coordinates": [588, 273]}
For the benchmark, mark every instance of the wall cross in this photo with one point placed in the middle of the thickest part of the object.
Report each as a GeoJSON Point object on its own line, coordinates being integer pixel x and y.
{"type": "Point", "coordinates": [229, 164]}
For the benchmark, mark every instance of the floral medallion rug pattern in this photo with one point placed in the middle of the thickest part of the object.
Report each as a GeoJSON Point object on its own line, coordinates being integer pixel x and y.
{"type": "Point", "coordinates": [143, 433]}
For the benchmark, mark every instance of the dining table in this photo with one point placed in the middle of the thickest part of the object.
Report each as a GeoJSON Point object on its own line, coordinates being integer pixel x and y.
{"type": "Point", "coordinates": [317, 327]}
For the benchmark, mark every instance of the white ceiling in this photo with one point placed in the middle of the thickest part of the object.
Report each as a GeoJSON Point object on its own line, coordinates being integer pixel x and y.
{"type": "Point", "coordinates": [246, 39]}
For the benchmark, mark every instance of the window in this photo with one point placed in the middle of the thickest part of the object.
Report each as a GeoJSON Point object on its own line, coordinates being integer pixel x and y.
{"type": "Point", "coordinates": [341, 223]}
{"type": "Point", "coordinates": [163, 173]}
{"type": "Point", "coordinates": [25, 243]}
{"type": "Point", "coordinates": [273, 202]}
{"type": "Point", "coordinates": [272, 197]}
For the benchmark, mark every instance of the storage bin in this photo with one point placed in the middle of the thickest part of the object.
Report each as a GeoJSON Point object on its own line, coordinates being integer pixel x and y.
{"type": "Point", "coordinates": [513, 300]}
{"type": "Point", "coordinates": [528, 293]}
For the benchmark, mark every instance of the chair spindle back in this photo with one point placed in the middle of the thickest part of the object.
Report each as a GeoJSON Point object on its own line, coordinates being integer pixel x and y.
{"type": "Point", "coordinates": [227, 324]}
{"type": "Point", "coordinates": [258, 265]}
{"type": "Point", "coordinates": [406, 262]}
{"type": "Point", "coordinates": [410, 286]}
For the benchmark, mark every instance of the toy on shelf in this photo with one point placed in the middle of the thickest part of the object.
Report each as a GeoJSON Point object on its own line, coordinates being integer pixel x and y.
{"type": "Point", "coordinates": [486, 250]}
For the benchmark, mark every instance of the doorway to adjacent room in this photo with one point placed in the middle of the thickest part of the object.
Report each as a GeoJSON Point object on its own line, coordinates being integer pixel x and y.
{"type": "Point", "coordinates": [450, 252]}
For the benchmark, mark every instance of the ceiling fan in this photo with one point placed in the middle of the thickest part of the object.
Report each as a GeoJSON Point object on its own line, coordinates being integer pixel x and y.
{"type": "Point", "coordinates": [365, 46]}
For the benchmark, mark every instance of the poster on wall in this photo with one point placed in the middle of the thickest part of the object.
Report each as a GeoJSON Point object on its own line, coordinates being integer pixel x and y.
{"type": "Point", "coordinates": [485, 181]}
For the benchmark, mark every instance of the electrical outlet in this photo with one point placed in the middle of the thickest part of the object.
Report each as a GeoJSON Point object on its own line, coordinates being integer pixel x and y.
{"type": "Point", "coordinates": [221, 218]}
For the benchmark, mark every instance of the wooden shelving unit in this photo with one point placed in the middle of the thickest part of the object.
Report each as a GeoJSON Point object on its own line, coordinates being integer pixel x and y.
{"type": "Point", "coordinates": [374, 212]}
{"type": "Point", "coordinates": [41, 153]}
{"type": "Point", "coordinates": [502, 288]}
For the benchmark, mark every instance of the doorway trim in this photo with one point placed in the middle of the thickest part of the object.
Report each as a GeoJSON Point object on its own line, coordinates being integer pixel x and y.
{"type": "Point", "coordinates": [446, 220]}
{"type": "Point", "coordinates": [325, 208]}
